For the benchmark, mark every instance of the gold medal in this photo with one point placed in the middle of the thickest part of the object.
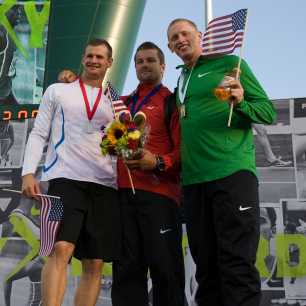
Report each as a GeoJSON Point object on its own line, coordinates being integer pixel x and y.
{"type": "Point", "coordinates": [182, 111]}
{"type": "Point", "coordinates": [182, 89]}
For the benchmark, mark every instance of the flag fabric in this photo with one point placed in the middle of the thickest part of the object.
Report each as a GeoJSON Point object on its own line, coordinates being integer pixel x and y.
{"type": "Point", "coordinates": [51, 214]}
{"type": "Point", "coordinates": [118, 104]}
{"type": "Point", "coordinates": [224, 34]}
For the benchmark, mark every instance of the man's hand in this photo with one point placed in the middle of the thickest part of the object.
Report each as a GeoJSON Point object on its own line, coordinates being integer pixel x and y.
{"type": "Point", "coordinates": [30, 186]}
{"type": "Point", "coordinates": [67, 76]}
{"type": "Point", "coordinates": [146, 162]}
{"type": "Point", "coordinates": [237, 91]}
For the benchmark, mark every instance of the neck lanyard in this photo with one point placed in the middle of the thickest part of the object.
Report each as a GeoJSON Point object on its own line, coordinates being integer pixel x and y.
{"type": "Point", "coordinates": [144, 101]}
{"type": "Point", "coordinates": [90, 113]}
{"type": "Point", "coordinates": [183, 85]}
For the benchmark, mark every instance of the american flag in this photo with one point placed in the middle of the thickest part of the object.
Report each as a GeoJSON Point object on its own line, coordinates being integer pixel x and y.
{"type": "Point", "coordinates": [118, 104]}
{"type": "Point", "coordinates": [224, 34]}
{"type": "Point", "coordinates": [51, 214]}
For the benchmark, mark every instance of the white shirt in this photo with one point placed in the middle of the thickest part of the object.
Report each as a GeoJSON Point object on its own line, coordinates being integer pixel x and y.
{"type": "Point", "coordinates": [73, 141]}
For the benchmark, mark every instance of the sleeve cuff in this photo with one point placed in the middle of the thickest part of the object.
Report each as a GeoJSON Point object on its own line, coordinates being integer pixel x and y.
{"type": "Point", "coordinates": [241, 106]}
{"type": "Point", "coordinates": [167, 161]}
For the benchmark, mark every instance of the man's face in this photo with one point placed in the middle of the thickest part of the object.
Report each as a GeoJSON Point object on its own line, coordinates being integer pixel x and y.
{"type": "Point", "coordinates": [96, 61]}
{"type": "Point", "coordinates": [184, 40]}
{"type": "Point", "coordinates": [149, 70]}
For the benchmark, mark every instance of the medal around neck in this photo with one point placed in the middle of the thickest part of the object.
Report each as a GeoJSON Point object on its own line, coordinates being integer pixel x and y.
{"type": "Point", "coordinates": [182, 90]}
{"type": "Point", "coordinates": [89, 128]}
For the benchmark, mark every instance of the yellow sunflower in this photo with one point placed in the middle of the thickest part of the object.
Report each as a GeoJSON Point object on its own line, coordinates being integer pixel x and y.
{"type": "Point", "coordinates": [116, 131]}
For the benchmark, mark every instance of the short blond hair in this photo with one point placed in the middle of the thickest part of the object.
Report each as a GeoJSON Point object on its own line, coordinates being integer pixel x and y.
{"type": "Point", "coordinates": [174, 21]}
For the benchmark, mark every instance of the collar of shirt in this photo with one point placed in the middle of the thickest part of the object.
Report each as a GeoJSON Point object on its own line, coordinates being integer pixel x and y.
{"type": "Point", "coordinates": [144, 89]}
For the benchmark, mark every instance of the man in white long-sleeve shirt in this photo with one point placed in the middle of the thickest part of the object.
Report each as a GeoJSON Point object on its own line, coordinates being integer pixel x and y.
{"type": "Point", "coordinates": [70, 119]}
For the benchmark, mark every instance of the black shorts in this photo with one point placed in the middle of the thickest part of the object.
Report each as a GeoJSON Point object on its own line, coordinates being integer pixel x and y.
{"type": "Point", "coordinates": [91, 218]}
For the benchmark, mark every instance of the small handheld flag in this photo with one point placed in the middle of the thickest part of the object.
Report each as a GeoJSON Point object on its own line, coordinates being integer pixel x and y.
{"type": "Point", "coordinates": [51, 214]}
{"type": "Point", "coordinates": [224, 34]}
{"type": "Point", "coordinates": [117, 104]}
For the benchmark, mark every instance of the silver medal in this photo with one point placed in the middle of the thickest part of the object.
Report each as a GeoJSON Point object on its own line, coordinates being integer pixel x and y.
{"type": "Point", "coordinates": [89, 129]}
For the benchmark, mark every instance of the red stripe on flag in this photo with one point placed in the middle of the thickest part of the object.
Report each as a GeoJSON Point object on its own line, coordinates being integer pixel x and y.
{"type": "Point", "coordinates": [50, 217]}
{"type": "Point", "coordinates": [220, 38]}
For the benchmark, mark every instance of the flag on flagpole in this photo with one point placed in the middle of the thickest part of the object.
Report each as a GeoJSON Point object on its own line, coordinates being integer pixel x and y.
{"type": "Point", "coordinates": [51, 214]}
{"type": "Point", "coordinates": [224, 34]}
{"type": "Point", "coordinates": [117, 103]}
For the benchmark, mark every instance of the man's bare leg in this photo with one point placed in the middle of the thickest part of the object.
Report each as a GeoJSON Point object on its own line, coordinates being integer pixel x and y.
{"type": "Point", "coordinates": [54, 274]}
{"type": "Point", "coordinates": [90, 283]}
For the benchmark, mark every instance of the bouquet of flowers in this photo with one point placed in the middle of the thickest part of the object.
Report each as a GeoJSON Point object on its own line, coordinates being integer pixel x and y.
{"type": "Point", "coordinates": [125, 137]}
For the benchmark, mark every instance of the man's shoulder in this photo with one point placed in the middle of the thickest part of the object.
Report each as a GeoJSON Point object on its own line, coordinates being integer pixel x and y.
{"type": "Point", "coordinates": [165, 91]}
{"type": "Point", "coordinates": [227, 58]}
{"type": "Point", "coordinates": [60, 87]}
{"type": "Point", "coordinates": [58, 91]}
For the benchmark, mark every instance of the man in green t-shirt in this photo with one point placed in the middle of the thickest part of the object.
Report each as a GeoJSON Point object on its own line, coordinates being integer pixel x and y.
{"type": "Point", "coordinates": [218, 169]}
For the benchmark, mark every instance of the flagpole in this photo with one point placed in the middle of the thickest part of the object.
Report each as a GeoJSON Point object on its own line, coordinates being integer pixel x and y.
{"type": "Point", "coordinates": [242, 46]}
{"type": "Point", "coordinates": [237, 76]}
{"type": "Point", "coordinates": [130, 178]}
{"type": "Point", "coordinates": [37, 194]}
{"type": "Point", "coordinates": [111, 100]}
{"type": "Point", "coordinates": [113, 108]}
{"type": "Point", "coordinates": [208, 12]}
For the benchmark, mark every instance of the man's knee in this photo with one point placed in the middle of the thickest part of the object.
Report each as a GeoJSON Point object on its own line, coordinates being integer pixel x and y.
{"type": "Point", "coordinates": [62, 252]}
{"type": "Point", "coordinates": [92, 267]}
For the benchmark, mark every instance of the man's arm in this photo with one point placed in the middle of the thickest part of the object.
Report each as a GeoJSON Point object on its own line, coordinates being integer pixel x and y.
{"type": "Point", "coordinates": [35, 145]}
{"type": "Point", "coordinates": [162, 162]}
{"type": "Point", "coordinates": [255, 105]}
{"type": "Point", "coordinates": [172, 159]}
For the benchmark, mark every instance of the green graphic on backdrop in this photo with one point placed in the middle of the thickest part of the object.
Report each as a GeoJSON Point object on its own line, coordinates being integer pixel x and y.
{"type": "Point", "coordinates": [23, 40]}
{"type": "Point", "coordinates": [20, 227]}
{"type": "Point", "coordinates": [37, 21]}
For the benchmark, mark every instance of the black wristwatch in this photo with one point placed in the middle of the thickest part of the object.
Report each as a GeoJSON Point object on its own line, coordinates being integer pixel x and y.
{"type": "Point", "coordinates": [160, 164]}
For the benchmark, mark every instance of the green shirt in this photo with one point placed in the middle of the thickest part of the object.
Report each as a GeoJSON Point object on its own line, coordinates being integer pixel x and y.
{"type": "Point", "coordinates": [209, 149]}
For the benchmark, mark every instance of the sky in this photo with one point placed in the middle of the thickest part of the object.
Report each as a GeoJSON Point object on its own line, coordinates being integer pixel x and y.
{"type": "Point", "coordinates": [275, 42]}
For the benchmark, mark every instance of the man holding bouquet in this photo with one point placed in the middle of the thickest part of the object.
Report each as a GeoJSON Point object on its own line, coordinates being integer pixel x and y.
{"type": "Point", "coordinates": [69, 119]}
{"type": "Point", "coordinates": [151, 225]}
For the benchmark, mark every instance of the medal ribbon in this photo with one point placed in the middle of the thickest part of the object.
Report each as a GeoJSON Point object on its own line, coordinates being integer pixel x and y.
{"type": "Point", "coordinates": [144, 101]}
{"type": "Point", "coordinates": [183, 85]}
{"type": "Point", "coordinates": [90, 113]}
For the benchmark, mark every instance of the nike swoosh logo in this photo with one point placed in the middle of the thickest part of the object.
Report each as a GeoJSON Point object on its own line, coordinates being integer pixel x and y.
{"type": "Point", "coordinates": [200, 75]}
{"type": "Point", "coordinates": [165, 231]}
{"type": "Point", "coordinates": [244, 208]}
